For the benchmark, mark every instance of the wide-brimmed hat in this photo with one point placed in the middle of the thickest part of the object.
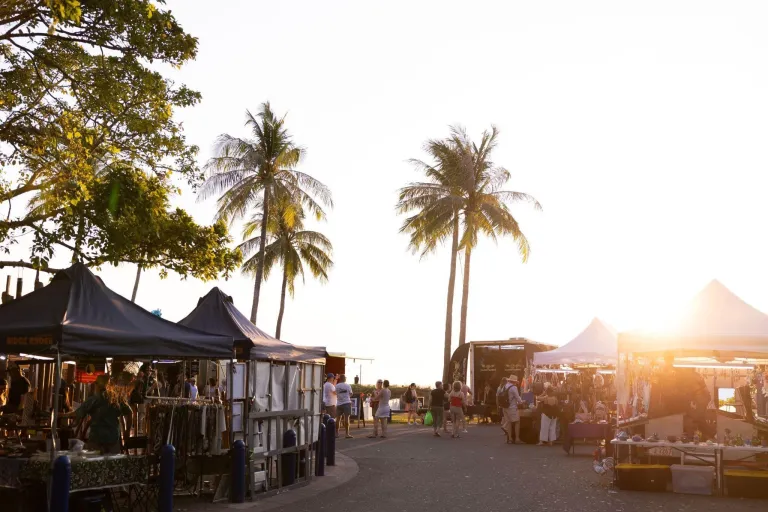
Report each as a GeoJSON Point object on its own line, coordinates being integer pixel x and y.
{"type": "Point", "coordinates": [513, 378]}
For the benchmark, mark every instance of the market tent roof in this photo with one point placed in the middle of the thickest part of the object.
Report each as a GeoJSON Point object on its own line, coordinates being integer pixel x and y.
{"type": "Point", "coordinates": [216, 313]}
{"type": "Point", "coordinates": [594, 345]}
{"type": "Point", "coordinates": [715, 321]}
{"type": "Point", "coordinates": [80, 315]}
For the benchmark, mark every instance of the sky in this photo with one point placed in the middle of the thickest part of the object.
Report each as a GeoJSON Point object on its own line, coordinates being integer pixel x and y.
{"type": "Point", "coordinates": [640, 128]}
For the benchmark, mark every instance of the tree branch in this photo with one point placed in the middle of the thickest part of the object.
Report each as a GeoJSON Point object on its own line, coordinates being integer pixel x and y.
{"type": "Point", "coordinates": [24, 264]}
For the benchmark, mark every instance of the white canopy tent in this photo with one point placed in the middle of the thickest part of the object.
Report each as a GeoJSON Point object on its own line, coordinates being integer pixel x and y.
{"type": "Point", "coordinates": [716, 323]}
{"type": "Point", "coordinates": [595, 345]}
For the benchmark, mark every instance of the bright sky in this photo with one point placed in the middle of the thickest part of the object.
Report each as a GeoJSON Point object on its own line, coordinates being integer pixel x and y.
{"type": "Point", "coordinates": [640, 127]}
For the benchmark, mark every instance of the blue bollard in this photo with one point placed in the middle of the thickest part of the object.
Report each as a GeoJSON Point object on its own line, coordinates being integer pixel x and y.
{"type": "Point", "coordinates": [320, 457]}
{"type": "Point", "coordinates": [288, 460]}
{"type": "Point", "coordinates": [330, 445]}
{"type": "Point", "coordinates": [326, 417]}
{"type": "Point", "coordinates": [167, 473]}
{"type": "Point", "coordinates": [238, 472]}
{"type": "Point", "coordinates": [62, 475]}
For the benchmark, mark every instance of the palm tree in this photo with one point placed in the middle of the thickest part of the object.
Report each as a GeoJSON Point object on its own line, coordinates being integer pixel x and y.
{"type": "Point", "coordinates": [289, 244]}
{"type": "Point", "coordinates": [438, 205]}
{"type": "Point", "coordinates": [485, 209]}
{"type": "Point", "coordinates": [247, 172]}
{"type": "Point", "coordinates": [463, 199]}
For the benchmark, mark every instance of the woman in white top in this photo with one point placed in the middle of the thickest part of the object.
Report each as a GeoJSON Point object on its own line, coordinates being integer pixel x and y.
{"type": "Point", "coordinates": [382, 413]}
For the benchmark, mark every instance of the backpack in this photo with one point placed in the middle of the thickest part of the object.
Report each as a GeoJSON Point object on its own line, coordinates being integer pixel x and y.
{"type": "Point", "coordinates": [502, 398]}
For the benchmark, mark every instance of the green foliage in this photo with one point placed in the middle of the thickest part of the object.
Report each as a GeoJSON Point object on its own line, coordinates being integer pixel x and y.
{"type": "Point", "coordinates": [288, 244]}
{"type": "Point", "coordinates": [86, 127]}
{"type": "Point", "coordinates": [463, 180]}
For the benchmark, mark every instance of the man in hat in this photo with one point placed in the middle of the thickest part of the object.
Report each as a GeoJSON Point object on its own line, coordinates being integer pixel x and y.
{"type": "Point", "coordinates": [329, 396]}
{"type": "Point", "coordinates": [511, 415]}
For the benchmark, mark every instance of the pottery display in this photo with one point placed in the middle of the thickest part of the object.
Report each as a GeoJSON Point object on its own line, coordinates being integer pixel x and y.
{"type": "Point", "coordinates": [654, 438]}
{"type": "Point", "coordinates": [637, 438]}
{"type": "Point", "coordinates": [672, 439]}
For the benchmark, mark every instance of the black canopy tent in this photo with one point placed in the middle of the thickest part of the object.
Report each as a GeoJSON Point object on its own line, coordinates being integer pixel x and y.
{"type": "Point", "coordinates": [76, 314]}
{"type": "Point", "coordinates": [216, 313]}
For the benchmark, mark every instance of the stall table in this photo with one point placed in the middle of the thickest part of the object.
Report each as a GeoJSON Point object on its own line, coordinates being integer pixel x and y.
{"type": "Point", "coordinates": [87, 474]}
{"type": "Point", "coordinates": [592, 431]}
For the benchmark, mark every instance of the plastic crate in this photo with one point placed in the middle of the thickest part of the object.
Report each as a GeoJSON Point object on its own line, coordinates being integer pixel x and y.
{"type": "Point", "coordinates": [692, 479]}
{"type": "Point", "coordinates": [746, 484]}
{"type": "Point", "coordinates": [642, 477]}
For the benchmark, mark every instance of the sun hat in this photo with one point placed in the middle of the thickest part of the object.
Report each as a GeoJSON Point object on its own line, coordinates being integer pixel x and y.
{"type": "Point", "coordinates": [513, 378]}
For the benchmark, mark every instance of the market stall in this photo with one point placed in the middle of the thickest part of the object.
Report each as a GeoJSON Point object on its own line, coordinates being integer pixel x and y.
{"type": "Point", "coordinates": [272, 375]}
{"type": "Point", "coordinates": [582, 373]}
{"type": "Point", "coordinates": [668, 392]}
{"type": "Point", "coordinates": [77, 316]}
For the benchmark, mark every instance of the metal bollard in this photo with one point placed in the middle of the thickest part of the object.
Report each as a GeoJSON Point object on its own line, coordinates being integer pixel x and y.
{"type": "Point", "coordinates": [320, 456]}
{"type": "Point", "coordinates": [330, 445]}
{"type": "Point", "coordinates": [167, 473]}
{"type": "Point", "coordinates": [62, 475]}
{"type": "Point", "coordinates": [237, 494]}
{"type": "Point", "coordinates": [326, 417]}
{"type": "Point", "coordinates": [288, 460]}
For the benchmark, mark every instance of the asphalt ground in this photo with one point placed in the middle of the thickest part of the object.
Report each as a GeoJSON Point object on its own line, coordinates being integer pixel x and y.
{"type": "Point", "coordinates": [412, 471]}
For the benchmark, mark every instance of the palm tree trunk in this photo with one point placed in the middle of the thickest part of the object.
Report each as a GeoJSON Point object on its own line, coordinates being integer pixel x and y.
{"type": "Point", "coordinates": [136, 283]}
{"type": "Point", "coordinates": [465, 297]}
{"type": "Point", "coordinates": [449, 306]}
{"type": "Point", "coordinates": [260, 262]}
{"type": "Point", "coordinates": [279, 327]}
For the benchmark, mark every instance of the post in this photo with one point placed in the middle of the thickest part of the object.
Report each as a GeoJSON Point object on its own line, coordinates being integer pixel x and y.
{"type": "Point", "coordinates": [167, 473]}
{"type": "Point", "coordinates": [19, 287]}
{"type": "Point", "coordinates": [55, 426]}
{"type": "Point", "coordinates": [62, 475]}
{"type": "Point", "coordinates": [320, 461]}
{"type": "Point", "coordinates": [231, 388]}
{"type": "Point", "coordinates": [330, 435]}
{"type": "Point", "coordinates": [238, 472]}
{"type": "Point", "coordinates": [288, 460]}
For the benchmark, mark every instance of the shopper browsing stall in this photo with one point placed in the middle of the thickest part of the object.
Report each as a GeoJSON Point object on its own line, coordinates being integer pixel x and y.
{"type": "Point", "coordinates": [105, 407]}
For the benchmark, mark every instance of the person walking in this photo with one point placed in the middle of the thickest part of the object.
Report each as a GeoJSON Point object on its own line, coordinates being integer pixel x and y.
{"type": "Point", "coordinates": [446, 406]}
{"type": "Point", "coordinates": [513, 416]}
{"type": "Point", "coordinates": [548, 431]}
{"type": "Point", "coordinates": [437, 398]}
{"type": "Point", "coordinates": [458, 402]}
{"type": "Point", "coordinates": [343, 405]}
{"type": "Point", "coordinates": [375, 401]}
{"type": "Point", "coordinates": [412, 403]}
{"type": "Point", "coordinates": [329, 396]}
{"type": "Point", "coordinates": [382, 413]}
{"type": "Point", "coordinates": [468, 402]}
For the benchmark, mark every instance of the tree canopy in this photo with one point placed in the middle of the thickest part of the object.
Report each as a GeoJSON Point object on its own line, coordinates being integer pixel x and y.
{"type": "Point", "coordinates": [88, 143]}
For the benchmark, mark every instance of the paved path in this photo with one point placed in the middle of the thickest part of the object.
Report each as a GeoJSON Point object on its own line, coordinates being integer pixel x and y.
{"type": "Point", "coordinates": [415, 472]}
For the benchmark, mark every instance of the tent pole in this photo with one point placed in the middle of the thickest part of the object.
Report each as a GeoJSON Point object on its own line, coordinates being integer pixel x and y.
{"type": "Point", "coordinates": [55, 425]}
{"type": "Point", "coordinates": [231, 387]}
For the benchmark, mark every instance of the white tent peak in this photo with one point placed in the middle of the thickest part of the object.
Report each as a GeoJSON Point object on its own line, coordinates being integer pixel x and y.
{"type": "Point", "coordinates": [594, 345]}
{"type": "Point", "coordinates": [715, 319]}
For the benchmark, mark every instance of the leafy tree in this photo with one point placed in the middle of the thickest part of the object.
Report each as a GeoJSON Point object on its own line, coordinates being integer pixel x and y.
{"type": "Point", "coordinates": [289, 245]}
{"type": "Point", "coordinates": [250, 173]}
{"type": "Point", "coordinates": [86, 132]}
{"type": "Point", "coordinates": [464, 200]}
{"type": "Point", "coordinates": [438, 205]}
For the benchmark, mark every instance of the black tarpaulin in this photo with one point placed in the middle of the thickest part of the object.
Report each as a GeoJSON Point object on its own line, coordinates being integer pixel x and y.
{"type": "Point", "coordinates": [77, 312]}
{"type": "Point", "coordinates": [215, 313]}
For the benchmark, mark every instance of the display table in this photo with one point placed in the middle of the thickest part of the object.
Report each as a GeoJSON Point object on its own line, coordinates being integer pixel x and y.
{"type": "Point", "coordinates": [101, 473]}
{"type": "Point", "coordinates": [592, 431]}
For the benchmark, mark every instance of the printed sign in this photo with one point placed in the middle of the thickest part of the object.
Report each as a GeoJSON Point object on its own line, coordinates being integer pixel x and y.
{"type": "Point", "coordinates": [29, 341]}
